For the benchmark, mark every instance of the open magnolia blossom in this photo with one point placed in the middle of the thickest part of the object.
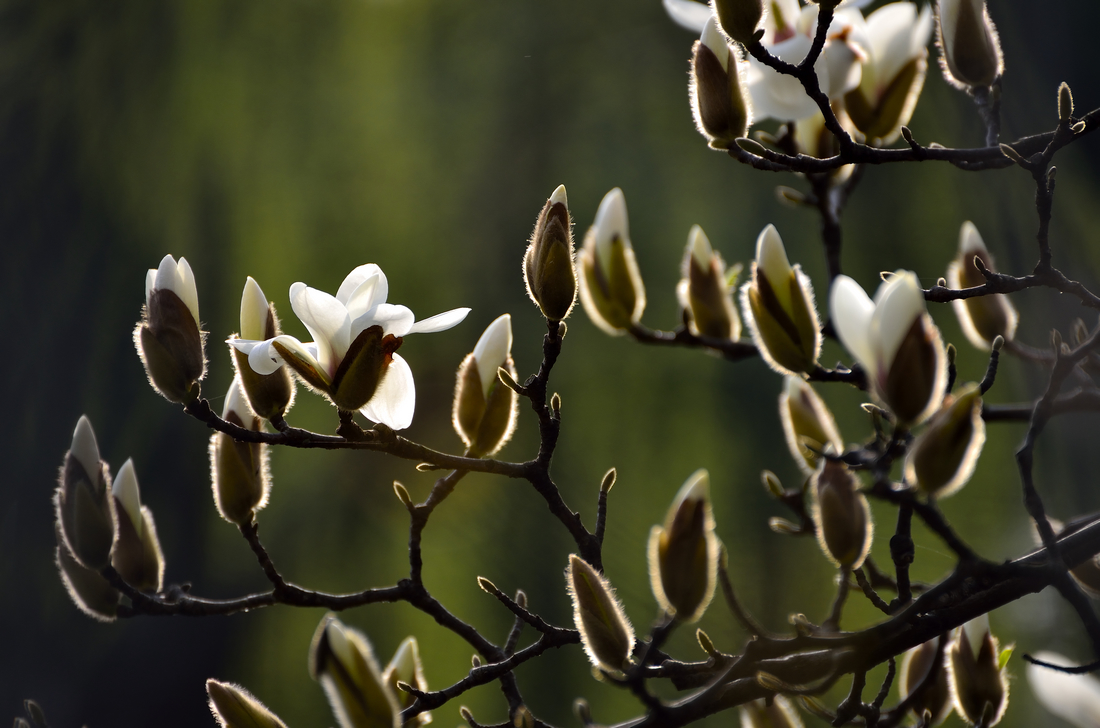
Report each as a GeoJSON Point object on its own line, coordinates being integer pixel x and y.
{"type": "Point", "coordinates": [1073, 698]}
{"type": "Point", "coordinates": [352, 358]}
{"type": "Point", "coordinates": [895, 342]}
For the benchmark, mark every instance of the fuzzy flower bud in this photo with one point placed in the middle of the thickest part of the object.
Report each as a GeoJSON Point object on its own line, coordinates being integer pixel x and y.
{"type": "Point", "coordinates": [739, 18]}
{"type": "Point", "coordinates": [705, 291]}
{"type": "Point", "coordinates": [895, 342]}
{"type": "Point", "coordinates": [683, 555]}
{"type": "Point", "coordinates": [406, 667]}
{"type": "Point", "coordinates": [719, 102]}
{"type": "Point", "coordinates": [87, 588]}
{"type": "Point", "coordinates": [777, 713]}
{"type": "Point", "coordinates": [136, 555]}
{"type": "Point", "coordinates": [235, 707]}
{"type": "Point", "coordinates": [970, 51]}
{"type": "Point", "coordinates": [943, 457]}
{"type": "Point", "coordinates": [341, 659]}
{"type": "Point", "coordinates": [611, 286]}
{"type": "Point", "coordinates": [548, 264]}
{"type": "Point", "coordinates": [269, 395]}
{"type": "Point", "coordinates": [842, 517]}
{"type": "Point", "coordinates": [606, 633]}
{"type": "Point", "coordinates": [85, 510]}
{"type": "Point", "coordinates": [808, 425]}
{"type": "Point", "coordinates": [979, 684]}
{"type": "Point", "coordinates": [983, 318]}
{"type": "Point", "coordinates": [168, 338]}
{"type": "Point", "coordinates": [1073, 698]}
{"type": "Point", "coordinates": [778, 304]}
{"type": "Point", "coordinates": [238, 470]}
{"type": "Point", "coordinates": [484, 408]}
{"type": "Point", "coordinates": [935, 696]}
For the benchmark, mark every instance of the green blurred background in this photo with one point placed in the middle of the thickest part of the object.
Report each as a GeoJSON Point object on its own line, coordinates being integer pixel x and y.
{"type": "Point", "coordinates": [295, 140]}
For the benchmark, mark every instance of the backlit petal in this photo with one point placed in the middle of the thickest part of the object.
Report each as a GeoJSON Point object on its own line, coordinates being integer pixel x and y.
{"type": "Point", "coordinates": [851, 309]}
{"type": "Point", "coordinates": [898, 303]}
{"type": "Point", "coordinates": [393, 318]}
{"type": "Point", "coordinates": [327, 320]}
{"type": "Point", "coordinates": [359, 276]}
{"type": "Point", "coordinates": [1073, 698]}
{"type": "Point", "coordinates": [395, 399]}
{"type": "Point", "coordinates": [440, 322]}
{"type": "Point", "coordinates": [186, 288]}
{"type": "Point", "coordinates": [688, 13]}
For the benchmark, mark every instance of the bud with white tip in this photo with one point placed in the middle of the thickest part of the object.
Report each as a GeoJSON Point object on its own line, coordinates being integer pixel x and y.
{"type": "Point", "coordinates": [808, 425]}
{"type": "Point", "coordinates": [606, 633]}
{"type": "Point", "coordinates": [970, 51]}
{"type": "Point", "coordinates": [548, 264]}
{"type": "Point", "coordinates": [269, 395]}
{"type": "Point", "coordinates": [405, 667]}
{"type": "Point", "coordinates": [239, 470]}
{"type": "Point", "coordinates": [979, 684]}
{"type": "Point", "coordinates": [705, 292]}
{"type": "Point", "coordinates": [611, 286]}
{"type": "Point", "coordinates": [719, 101]}
{"type": "Point", "coordinates": [235, 707]}
{"type": "Point", "coordinates": [341, 659]}
{"type": "Point", "coordinates": [485, 408]}
{"type": "Point", "coordinates": [982, 318]}
{"type": "Point", "coordinates": [83, 503]}
{"type": "Point", "coordinates": [943, 457]}
{"type": "Point", "coordinates": [683, 554]}
{"type": "Point", "coordinates": [168, 338]}
{"type": "Point", "coordinates": [136, 556]}
{"type": "Point", "coordinates": [841, 515]}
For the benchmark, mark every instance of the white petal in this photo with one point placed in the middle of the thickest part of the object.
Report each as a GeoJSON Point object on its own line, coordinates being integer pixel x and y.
{"type": "Point", "coordinates": [976, 630]}
{"type": "Point", "coordinates": [851, 310]}
{"type": "Point", "coordinates": [234, 402]}
{"type": "Point", "coordinates": [611, 222]}
{"type": "Point", "coordinates": [262, 356]}
{"type": "Point", "coordinates": [898, 303]}
{"type": "Point", "coordinates": [558, 195]}
{"type": "Point", "coordinates": [356, 279]}
{"type": "Point", "coordinates": [364, 297]}
{"type": "Point", "coordinates": [492, 350]}
{"type": "Point", "coordinates": [405, 660]}
{"type": "Point", "coordinates": [440, 322]}
{"type": "Point", "coordinates": [949, 19]}
{"type": "Point", "coordinates": [186, 288]}
{"type": "Point", "coordinates": [166, 274]}
{"type": "Point", "coordinates": [687, 13]}
{"type": "Point", "coordinates": [922, 33]}
{"type": "Point", "coordinates": [1073, 698]}
{"type": "Point", "coordinates": [245, 346]}
{"type": "Point", "coordinates": [254, 310]}
{"type": "Point", "coordinates": [845, 70]}
{"type": "Point", "coordinates": [327, 320]}
{"type": "Point", "coordinates": [393, 318]}
{"type": "Point", "coordinates": [892, 33]}
{"type": "Point", "coordinates": [771, 256]}
{"type": "Point", "coordinates": [395, 399]}
{"type": "Point", "coordinates": [712, 38]}
{"type": "Point", "coordinates": [150, 283]}
{"type": "Point", "coordinates": [970, 242]}
{"type": "Point", "coordinates": [84, 447]}
{"type": "Point", "coordinates": [782, 97]}
{"type": "Point", "coordinates": [125, 488]}
{"type": "Point", "coordinates": [700, 248]}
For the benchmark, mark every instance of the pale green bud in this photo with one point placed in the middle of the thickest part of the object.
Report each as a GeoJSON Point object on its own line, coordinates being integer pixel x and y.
{"type": "Point", "coordinates": [548, 263]}
{"type": "Point", "coordinates": [341, 659]}
{"type": "Point", "coordinates": [979, 683]}
{"type": "Point", "coordinates": [137, 554]}
{"type": "Point", "coordinates": [970, 51]}
{"type": "Point", "coordinates": [841, 515]}
{"type": "Point", "coordinates": [269, 395]}
{"type": "Point", "coordinates": [235, 707]}
{"type": "Point", "coordinates": [808, 424]}
{"type": "Point", "coordinates": [606, 633]}
{"type": "Point", "coordinates": [704, 291]}
{"type": "Point", "coordinates": [914, 669]}
{"type": "Point", "coordinates": [485, 409]}
{"type": "Point", "coordinates": [942, 458]}
{"type": "Point", "coordinates": [719, 99]}
{"type": "Point", "coordinates": [611, 286]}
{"type": "Point", "coordinates": [683, 554]}
{"type": "Point", "coordinates": [239, 470]}
{"type": "Point", "coordinates": [983, 318]}
{"type": "Point", "coordinates": [168, 338]}
{"type": "Point", "coordinates": [405, 666]}
{"type": "Point", "coordinates": [83, 503]}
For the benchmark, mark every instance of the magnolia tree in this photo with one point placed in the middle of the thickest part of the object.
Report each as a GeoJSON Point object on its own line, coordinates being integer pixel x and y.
{"type": "Point", "coordinates": [842, 87]}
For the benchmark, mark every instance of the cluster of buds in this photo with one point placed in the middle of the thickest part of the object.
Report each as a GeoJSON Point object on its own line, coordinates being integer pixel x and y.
{"type": "Point", "coordinates": [683, 554]}
{"type": "Point", "coordinates": [982, 318]}
{"type": "Point", "coordinates": [706, 290]}
{"type": "Point", "coordinates": [970, 51]}
{"type": "Point", "coordinates": [610, 285]}
{"type": "Point", "coordinates": [485, 408]}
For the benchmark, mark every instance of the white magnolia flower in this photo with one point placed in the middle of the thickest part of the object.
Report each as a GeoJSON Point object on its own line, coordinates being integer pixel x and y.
{"type": "Point", "coordinates": [1073, 698]}
{"type": "Point", "coordinates": [352, 358]}
{"type": "Point", "coordinates": [175, 277]}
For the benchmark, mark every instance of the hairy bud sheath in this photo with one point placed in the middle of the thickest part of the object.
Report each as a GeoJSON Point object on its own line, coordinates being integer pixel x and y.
{"type": "Point", "coordinates": [485, 409]}
{"type": "Point", "coordinates": [269, 395]}
{"type": "Point", "coordinates": [942, 458]}
{"type": "Point", "coordinates": [683, 554]}
{"type": "Point", "coordinates": [235, 707]}
{"type": "Point", "coordinates": [778, 304]}
{"type": "Point", "coordinates": [239, 470]}
{"type": "Point", "coordinates": [970, 51]}
{"type": "Point", "coordinates": [610, 284]}
{"type": "Point", "coordinates": [808, 425]}
{"type": "Point", "coordinates": [979, 685]}
{"type": "Point", "coordinates": [83, 504]}
{"type": "Point", "coordinates": [548, 263]}
{"type": "Point", "coordinates": [405, 666]}
{"type": "Point", "coordinates": [341, 659]}
{"type": "Point", "coordinates": [982, 318]}
{"type": "Point", "coordinates": [740, 18]}
{"type": "Point", "coordinates": [841, 515]}
{"type": "Point", "coordinates": [705, 292]}
{"type": "Point", "coordinates": [168, 338]}
{"type": "Point", "coordinates": [91, 593]}
{"type": "Point", "coordinates": [606, 633]}
{"type": "Point", "coordinates": [935, 695]}
{"type": "Point", "coordinates": [137, 554]}
{"type": "Point", "coordinates": [719, 101]}
{"type": "Point", "coordinates": [779, 712]}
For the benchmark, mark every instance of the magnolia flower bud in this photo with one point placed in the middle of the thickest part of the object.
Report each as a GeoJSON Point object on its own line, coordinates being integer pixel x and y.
{"type": "Point", "coordinates": [269, 395]}
{"type": "Point", "coordinates": [895, 342]}
{"type": "Point", "coordinates": [683, 555]}
{"type": "Point", "coordinates": [341, 659]}
{"type": "Point", "coordinates": [739, 18]}
{"type": "Point", "coordinates": [1073, 698]}
{"type": "Point", "coordinates": [235, 707]}
{"type": "Point", "coordinates": [778, 713]}
{"type": "Point", "coordinates": [406, 667]}
{"type": "Point", "coordinates": [705, 292]}
{"type": "Point", "coordinates": [942, 458]}
{"type": "Point", "coordinates": [979, 685]}
{"type": "Point", "coordinates": [936, 695]}
{"type": "Point", "coordinates": [548, 263]}
{"type": "Point", "coordinates": [778, 304]}
{"type": "Point", "coordinates": [485, 409]}
{"type": "Point", "coordinates": [841, 515]}
{"type": "Point", "coordinates": [168, 338]}
{"type": "Point", "coordinates": [719, 102]}
{"type": "Point", "coordinates": [970, 51]}
{"type": "Point", "coordinates": [85, 510]}
{"type": "Point", "coordinates": [983, 318]}
{"type": "Point", "coordinates": [808, 425]}
{"type": "Point", "coordinates": [611, 286]}
{"type": "Point", "coordinates": [91, 593]}
{"type": "Point", "coordinates": [606, 633]}
{"type": "Point", "coordinates": [238, 470]}
{"type": "Point", "coordinates": [136, 555]}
